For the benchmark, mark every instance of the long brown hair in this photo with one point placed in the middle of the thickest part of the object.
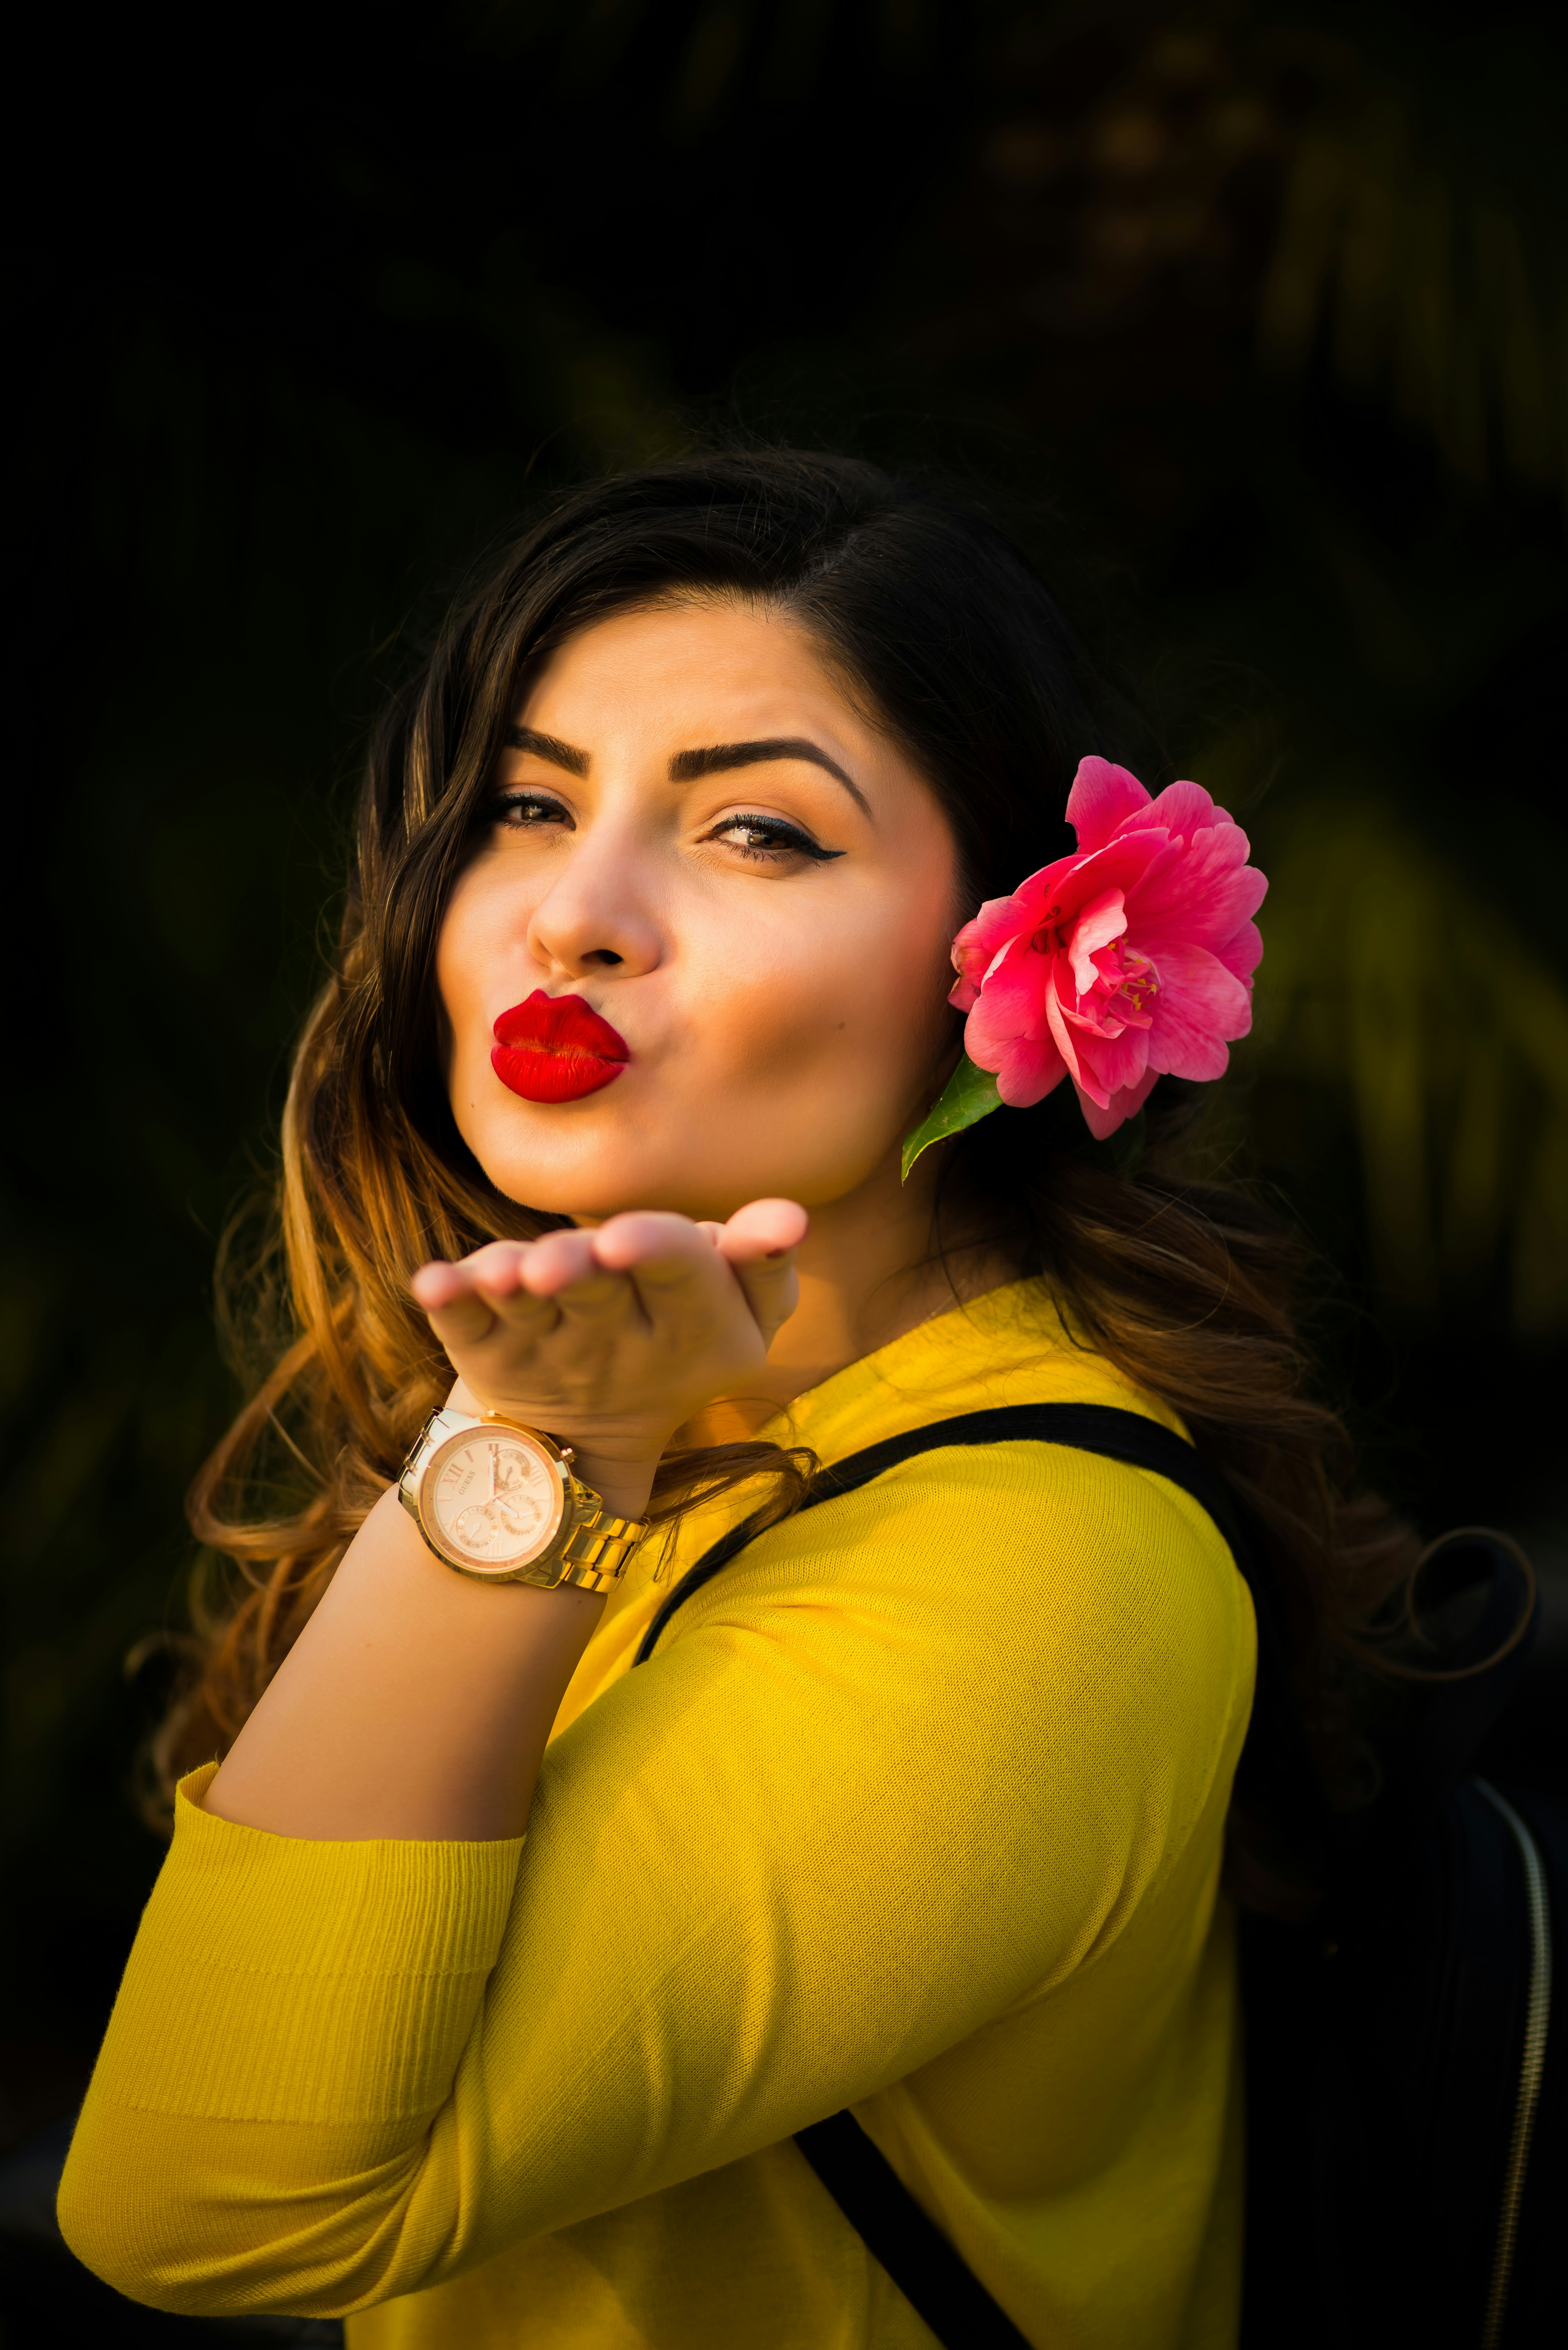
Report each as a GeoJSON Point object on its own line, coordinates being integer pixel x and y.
{"type": "Point", "coordinates": [938, 626]}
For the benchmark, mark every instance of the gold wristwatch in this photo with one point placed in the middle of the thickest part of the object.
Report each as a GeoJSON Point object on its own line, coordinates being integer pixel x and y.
{"type": "Point", "coordinates": [499, 1502]}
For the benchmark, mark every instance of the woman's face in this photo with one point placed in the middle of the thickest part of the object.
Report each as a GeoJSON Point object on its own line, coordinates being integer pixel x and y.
{"type": "Point", "coordinates": [695, 836]}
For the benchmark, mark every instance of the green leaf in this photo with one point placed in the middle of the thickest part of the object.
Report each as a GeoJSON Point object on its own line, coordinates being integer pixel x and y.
{"type": "Point", "coordinates": [968, 1095]}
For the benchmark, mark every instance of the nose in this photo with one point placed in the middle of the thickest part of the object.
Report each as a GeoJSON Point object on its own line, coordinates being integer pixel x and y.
{"type": "Point", "coordinates": [596, 917]}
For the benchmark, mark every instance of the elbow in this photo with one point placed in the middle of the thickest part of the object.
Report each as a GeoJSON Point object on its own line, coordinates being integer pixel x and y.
{"type": "Point", "coordinates": [145, 2240]}
{"type": "Point", "coordinates": [159, 2246]}
{"type": "Point", "coordinates": [209, 2244]}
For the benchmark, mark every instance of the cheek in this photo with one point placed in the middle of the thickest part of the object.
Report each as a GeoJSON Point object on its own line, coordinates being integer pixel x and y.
{"type": "Point", "coordinates": [479, 926]}
{"type": "Point", "coordinates": [863, 989]}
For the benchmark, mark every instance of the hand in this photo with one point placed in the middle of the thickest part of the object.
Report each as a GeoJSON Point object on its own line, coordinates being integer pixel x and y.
{"type": "Point", "coordinates": [610, 1340]}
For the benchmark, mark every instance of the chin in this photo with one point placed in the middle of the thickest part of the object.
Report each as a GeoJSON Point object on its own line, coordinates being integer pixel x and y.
{"type": "Point", "coordinates": [591, 1186]}
{"type": "Point", "coordinates": [578, 1162]}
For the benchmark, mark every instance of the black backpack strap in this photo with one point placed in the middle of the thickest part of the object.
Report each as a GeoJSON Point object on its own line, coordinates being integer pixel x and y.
{"type": "Point", "coordinates": [896, 2231]}
{"type": "Point", "coordinates": [1277, 1769]}
{"type": "Point", "coordinates": [866, 2190]}
{"type": "Point", "coordinates": [1086, 1427]}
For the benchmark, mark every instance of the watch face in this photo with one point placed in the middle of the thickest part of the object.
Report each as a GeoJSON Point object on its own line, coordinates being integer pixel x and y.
{"type": "Point", "coordinates": [494, 1498]}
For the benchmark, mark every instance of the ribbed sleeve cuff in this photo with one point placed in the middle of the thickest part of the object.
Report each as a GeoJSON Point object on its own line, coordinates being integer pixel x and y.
{"type": "Point", "coordinates": [277, 1979]}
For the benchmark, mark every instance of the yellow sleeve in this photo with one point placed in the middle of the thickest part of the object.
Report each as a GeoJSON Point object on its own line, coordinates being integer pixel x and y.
{"type": "Point", "coordinates": [917, 1755]}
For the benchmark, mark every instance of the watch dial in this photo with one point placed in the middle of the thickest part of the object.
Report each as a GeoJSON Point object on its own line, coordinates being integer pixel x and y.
{"type": "Point", "coordinates": [496, 1499]}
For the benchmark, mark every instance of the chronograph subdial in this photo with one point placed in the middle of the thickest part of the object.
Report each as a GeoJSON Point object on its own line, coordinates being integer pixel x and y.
{"type": "Point", "coordinates": [510, 1514]}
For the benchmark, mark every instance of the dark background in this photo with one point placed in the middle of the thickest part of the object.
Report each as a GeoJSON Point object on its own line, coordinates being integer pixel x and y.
{"type": "Point", "coordinates": [1270, 304]}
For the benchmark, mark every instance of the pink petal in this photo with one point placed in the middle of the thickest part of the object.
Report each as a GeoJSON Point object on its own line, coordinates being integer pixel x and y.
{"type": "Point", "coordinates": [1012, 1000]}
{"type": "Point", "coordinates": [1041, 890]}
{"type": "Point", "coordinates": [1199, 1004]}
{"type": "Point", "coordinates": [1000, 922]}
{"type": "Point", "coordinates": [1066, 885]}
{"type": "Point", "coordinates": [1062, 1036]}
{"type": "Point", "coordinates": [1202, 895]}
{"type": "Point", "coordinates": [1091, 1016]}
{"type": "Point", "coordinates": [1118, 866]}
{"type": "Point", "coordinates": [1103, 1123]}
{"type": "Point", "coordinates": [978, 941]}
{"type": "Point", "coordinates": [1100, 922]}
{"type": "Point", "coordinates": [1026, 1069]}
{"type": "Point", "coordinates": [979, 959]}
{"type": "Point", "coordinates": [1186, 808]}
{"type": "Point", "coordinates": [1030, 1070]}
{"type": "Point", "coordinates": [1213, 851]}
{"type": "Point", "coordinates": [1103, 798]}
{"type": "Point", "coordinates": [1116, 1062]}
{"type": "Point", "coordinates": [1243, 953]}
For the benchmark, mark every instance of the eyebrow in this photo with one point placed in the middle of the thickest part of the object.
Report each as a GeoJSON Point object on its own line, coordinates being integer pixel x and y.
{"type": "Point", "coordinates": [687, 765]}
{"type": "Point", "coordinates": [546, 747]}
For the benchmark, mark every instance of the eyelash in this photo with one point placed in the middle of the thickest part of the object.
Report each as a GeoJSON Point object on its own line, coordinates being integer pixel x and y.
{"type": "Point", "coordinates": [506, 808]}
{"type": "Point", "coordinates": [786, 839]}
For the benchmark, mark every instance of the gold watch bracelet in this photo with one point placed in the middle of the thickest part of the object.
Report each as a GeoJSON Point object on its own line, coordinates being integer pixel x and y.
{"type": "Point", "coordinates": [595, 1553]}
{"type": "Point", "coordinates": [598, 1549]}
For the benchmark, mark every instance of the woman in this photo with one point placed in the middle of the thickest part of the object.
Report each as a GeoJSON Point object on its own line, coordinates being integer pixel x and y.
{"type": "Point", "coordinates": [918, 1807]}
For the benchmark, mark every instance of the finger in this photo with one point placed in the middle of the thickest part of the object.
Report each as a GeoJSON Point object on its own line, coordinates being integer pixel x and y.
{"type": "Point", "coordinates": [496, 1270]}
{"type": "Point", "coordinates": [466, 1301]}
{"type": "Point", "coordinates": [647, 1241]}
{"type": "Point", "coordinates": [574, 1285]}
{"type": "Point", "coordinates": [554, 1262]}
{"type": "Point", "coordinates": [672, 1263]}
{"type": "Point", "coordinates": [765, 1228]}
{"type": "Point", "coordinates": [456, 1312]}
{"type": "Point", "coordinates": [759, 1243]}
{"type": "Point", "coordinates": [773, 1293]}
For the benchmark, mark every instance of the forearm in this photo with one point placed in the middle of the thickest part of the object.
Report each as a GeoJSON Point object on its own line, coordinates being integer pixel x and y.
{"type": "Point", "coordinates": [258, 2130]}
{"type": "Point", "coordinates": [416, 1703]}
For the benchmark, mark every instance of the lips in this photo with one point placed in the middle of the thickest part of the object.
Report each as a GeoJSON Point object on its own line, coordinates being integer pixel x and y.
{"type": "Point", "coordinates": [556, 1048]}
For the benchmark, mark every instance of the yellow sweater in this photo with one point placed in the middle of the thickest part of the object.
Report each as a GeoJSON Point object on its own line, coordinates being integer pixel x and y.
{"type": "Point", "coordinates": [917, 1809]}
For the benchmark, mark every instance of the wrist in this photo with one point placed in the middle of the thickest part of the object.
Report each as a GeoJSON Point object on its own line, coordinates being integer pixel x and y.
{"type": "Point", "coordinates": [622, 1486]}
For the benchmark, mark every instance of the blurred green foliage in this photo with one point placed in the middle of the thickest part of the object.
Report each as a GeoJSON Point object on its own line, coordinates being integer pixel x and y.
{"type": "Point", "coordinates": [1269, 300]}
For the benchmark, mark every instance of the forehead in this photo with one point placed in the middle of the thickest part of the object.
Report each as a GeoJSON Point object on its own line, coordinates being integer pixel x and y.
{"type": "Point", "coordinates": [702, 672]}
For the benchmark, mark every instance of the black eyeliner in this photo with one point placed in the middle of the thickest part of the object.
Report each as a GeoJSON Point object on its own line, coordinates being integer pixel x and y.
{"type": "Point", "coordinates": [786, 835]}
{"type": "Point", "coordinates": [522, 795]}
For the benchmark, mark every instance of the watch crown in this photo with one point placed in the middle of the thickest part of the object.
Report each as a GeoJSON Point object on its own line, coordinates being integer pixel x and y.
{"type": "Point", "coordinates": [567, 1454]}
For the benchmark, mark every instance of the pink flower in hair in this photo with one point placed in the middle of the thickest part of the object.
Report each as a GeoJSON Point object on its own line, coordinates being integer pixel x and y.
{"type": "Point", "coordinates": [1129, 960]}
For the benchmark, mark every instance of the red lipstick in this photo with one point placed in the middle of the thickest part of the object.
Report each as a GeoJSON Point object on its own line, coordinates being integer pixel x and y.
{"type": "Point", "coordinates": [556, 1048]}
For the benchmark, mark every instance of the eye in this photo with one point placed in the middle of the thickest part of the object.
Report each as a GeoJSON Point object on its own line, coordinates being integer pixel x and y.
{"type": "Point", "coordinates": [770, 839]}
{"type": "Point", "coordinates": [528, 811]}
